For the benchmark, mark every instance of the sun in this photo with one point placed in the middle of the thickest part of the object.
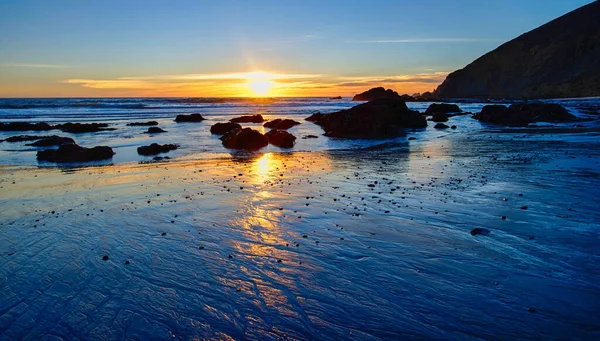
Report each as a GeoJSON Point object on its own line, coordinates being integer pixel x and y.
{"type": "Point", "coordinates": [260, 87]}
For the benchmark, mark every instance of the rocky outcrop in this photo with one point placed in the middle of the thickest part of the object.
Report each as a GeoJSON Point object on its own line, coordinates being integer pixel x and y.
{"type": "Point", "coordinates": [314, 117]}
{"type": "Point", "coordinates": [142, 124]}
{"type": "Point", "coordinates": [248, 119]}
{"type": "Point", "coordinates": [75, 153]}
{"type": "Point", "coordinates": [524, 114]}
{"type": "Point", "coordinates": [21, 138]}
{"type": "Point", "coordinates": [156, 148]}
{"type": "Point", "coordinates": [189, 118]}
{"type": "Point", "coordinates": [441, 126]}
{"type": "Point", "coordinates": [77, 128]}
{"type": "Point", "coordinates": [558, 59]}
{"type": "Point", "coordinates": [281, 124]}
{"type": "Point", "coordinates": [376, 119]}
{"type": "Point", "coordinates": [439, 117]}
{"type": "Point", "coordinates": [24, 126]}
{"type": "Point", "coordinates": [376, 93]}
{"type": "Point", "coordinates": [224, 128]}
{"type": "Point", "coordinates": [336, 97]}
{"type": "Point", "coordinates": [281, 138]}
{"type": "Point", "coordinates": [441, 108]}
{"type": "Point", "coordinates": [155, 130]}
{"type": "Point", "coordinates": [247, 138]}
{"type": "Point", "coordinates": [53, 140]}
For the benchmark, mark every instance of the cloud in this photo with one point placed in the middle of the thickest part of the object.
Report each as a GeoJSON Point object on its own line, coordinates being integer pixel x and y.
{"type": "Point", "coordinates": [428, 40]}
{"type": "Point", "coordinates": [48, 66]}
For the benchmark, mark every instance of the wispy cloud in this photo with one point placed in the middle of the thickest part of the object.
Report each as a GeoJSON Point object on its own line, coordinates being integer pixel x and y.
{"type": "Point", "coordinates": [47, 66]}
{"type": "Point", "coordinates": [426, 40]}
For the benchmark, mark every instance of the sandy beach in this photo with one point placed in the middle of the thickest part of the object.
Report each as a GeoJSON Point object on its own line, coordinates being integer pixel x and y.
{"type": "Point", "coordinates": [370, 243]}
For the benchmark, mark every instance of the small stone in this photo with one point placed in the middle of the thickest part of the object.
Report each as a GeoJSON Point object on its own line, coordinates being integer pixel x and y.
{"type": "Point", "coordinates": [105, 258]}
{"type": "Point", "coordinates": [524, 207]}
{"type": "Point", "coordinates": [163, 234]}
{"type": "Point", "coordinates": [127, 262]}
{"type": "Point", "coordinates": [479, 230]}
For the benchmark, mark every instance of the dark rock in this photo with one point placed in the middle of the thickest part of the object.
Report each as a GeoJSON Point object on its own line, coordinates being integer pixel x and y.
{"type": "Point", "coordinates": [376, 93]}
{"type": "Point", "coordinates": [281, 138]}
{"type": "Point", "coordinates": [453, 127]}
{"type": "Point", "coordinates": [149, 123]}
{"type": "Point", "coordinates": [547, 62]}
{"type": "Point", "coordinates": [376, 119]}
{"type": "Point", "coordinates": [155, 130]}
{"type": "Point", "coordinates": [82, 127]}
{"type": "Point", "coordinates": [248, 119]}
{"type": "Point", "coordinates": [441, 126]}
{"type": "Point", "coordinates": [21, 138]}
{"type": "Point", "coordinates": [441, 108]}
{"type": "Point", "coordinates": [310, 137]}
{"type": "Point", "coordinates": [223, 128]}
{"type": "Point", "coordinates": [439, 117]}
{"type": "Point", "coordinates": [156, 148]}
{"type": "Point", "coordinates": [314, 117]}
{"type": "Point", "coordinates": [247, 138]}
{"type": "Point", "coordinates": [75, 153]}
{"type": "Point", "coordinates": [524, 114]}
{"type": "Point", "coordinates": [105, 258]}
{"type": "Point", "coordinates": [479, 230]}
{"type": "Point", "coordinates": [281, 124]}
{"type": "Point", "coordinates": [53, 140]}
{"type": "Point", "coordinates": [160, 158]}
{"type": "Point", "coordinates": [24, 126]}
{"type": "Point", "coordinates": [336, 97]}
{"type": "Point", "coordinates": [189, 118]}
{"type": "Point", "coordinates": [412, 138]}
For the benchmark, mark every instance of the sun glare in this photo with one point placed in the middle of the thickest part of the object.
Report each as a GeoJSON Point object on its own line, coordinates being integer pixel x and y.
{"type": "Point", "coordinates": [260, 87]}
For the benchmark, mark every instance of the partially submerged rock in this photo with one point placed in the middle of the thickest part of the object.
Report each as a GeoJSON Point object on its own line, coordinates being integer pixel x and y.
{"type": "Point", "coordinates": [281, 138]}
{"type": "Point", "coordinates": [524, 114]}
{"type": "Point", "coordinates": [441, 108]}
{"type": "Point", "coordinates": [439, 117]}
{"type": "Point", "coordinates": [21, 138]}
{"type": "Point", "coordinates": [53, 140]}
{"type": "Point", "coordinates": [75, 153]}
{"type": "Point", "coordinates": [82, 127]}
{"type": "Point", "coordinates": [156, 148]}
{"type": "Point", "coordinates": [142, 124]}
{"type": "Point", "coordinates": [310, 137]}
{"type": "Point", "coordinates": [376, 93]}
{"type": "Point", "coordinates": [479, 230]}
{"type": "Point", "coordinates": [246, 138]}
{"type": "Point", "coordinates": [155, 130]}
{"type": "Point", "coordinates": [314, 117]}
{"type": "Point", "coordinates": [223, 128]}
{"type": "Point", "coordinates": [248, 119]}
{"type": "Point", "coordinates": [441, 126]}
{"type": "Point", "coordinates": [281, 124]}
{"type": "Point", "coordinates": [24, 126]}
{"type": "Point", "coordinates": [189, 118]}
{"type": "Point", "coordinates": [381, 118]}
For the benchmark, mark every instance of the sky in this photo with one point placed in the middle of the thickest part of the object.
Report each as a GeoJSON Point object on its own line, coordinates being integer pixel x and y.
{"type": "Point", "coordinates": [233, 48]}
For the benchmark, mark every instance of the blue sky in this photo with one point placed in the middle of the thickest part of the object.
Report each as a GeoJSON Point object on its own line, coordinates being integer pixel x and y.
{"type": "Point", "coordinates": [46, 44]}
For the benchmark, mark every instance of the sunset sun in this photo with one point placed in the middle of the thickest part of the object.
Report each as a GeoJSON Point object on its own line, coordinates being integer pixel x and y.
{"type": "Point", "coordinates": [260, 87]}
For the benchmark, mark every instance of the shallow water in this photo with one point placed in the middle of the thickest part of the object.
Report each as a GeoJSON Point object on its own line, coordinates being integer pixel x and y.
{"type": "Point", "coordinates": [391, 261]}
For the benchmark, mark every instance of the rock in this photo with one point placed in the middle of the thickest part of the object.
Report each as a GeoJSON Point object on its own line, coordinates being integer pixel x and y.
{"type": "Point", "coordinates": [524, 114]}
{"type": "Point", "coordinates": [247, 138]}
{"type": "Point", "coordinates": [77, 128]}
{"type": "Point", "coordinates": [439, 117]}
{"type": "Point", "coordinates": [161, 158]}
{"type": "Point", "coordinates": [376, 119]}
{"type": "Point", "coordinates": [149, 123]}
{"type": "Point", "coordinates": [156, 148]}
{"type": "Point", "coordinates": [53, 140]}
{"type": "Point", "coordinates": [281, 138]}
{"type": "Point", "coordinates": [310, 137]}
{"type": "Point", "coordinates": [441, 108]}
{"type": "Point", "coordinates": [281, 124]}
{"type": "Point", "coordinates": [21, 138]}
{"type": "Point", "coordinates": [453, 127]}
{"type": "Point", "coordinates": [248, 119]}
{"type": "Point", "coordinates": [441, 126]}
{"type": "Point", "coordinates": [479, 230]}
{"type": "Point", "coordinates": [105, 258]}
{"type": "Point", "coordinates": [155, 130]}
{"type": "Point", "coordinates": [223, 128]}
{"type": "Point", "coordinates": [23, 126]}
{"type": "Point", "coordinates": [376, 93]}
{"type": "Point", "coordinates": [189, 118]}
{"type": "Point", "coordinates": [314, 117]}
{"type": "Point", "coordinates": [412, 138]}
{"type": "Point", "coordinates": [547, 62]}
{"type": "Point", "coordinates": [75, 153]}
{"type": "Point", "coordinates": [336, 97]}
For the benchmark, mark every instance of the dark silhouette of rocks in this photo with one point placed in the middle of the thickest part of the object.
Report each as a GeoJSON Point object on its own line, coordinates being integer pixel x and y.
{"type": "Point", "coordinates": [223, 128]}
{"type": "Point", "coordinates": [439, 117]}
{"type": "Point", "coordinates": [24, 126]}
{"type": "Point", "coordinates": [524, 114]}
{"type": "Point", "coordinates": [21, 138]}
{"type": "Point", "coordinates": [156, 148]}
{"type": "Point", "coordinates": [53, 140]}
{"type": "Point", "coordinates": [142, 124]}
{"type": "Point", "coordinates": [281, 138]}
{"type": "Point", "coordinates": [376, 119]}
{"type": "Point", "coordinates": [248, 119]}
{"type": "Point", "coordinates": [376, 93]}
{"type": "Point", "coordinates": [336, 97]}
{"type": "Point", "coordinates": [77, 128]}
{"type": "Point", "coordinates": [310, 137]}
{"type": "Point", "coordinates": [314, 117]}
{"type": "Point", "coordinates": [441, 126]}
{"type": "Point", "coordinates": [189, 118]}
{"type": "Point", "coordinates": [281, 124]}
{"type": "Point", "coordinates": [75, 153]}
{"type": "Point", "coordinates": [155, 130]}
{"type": "Point", "coordinates": [558, 59]}
{"type": "Point", "coordinates": [246, 138]}
{"type": "Point", "coordinates": [480, 230]}
{"type": "Point", "coordinates": [441, 108]}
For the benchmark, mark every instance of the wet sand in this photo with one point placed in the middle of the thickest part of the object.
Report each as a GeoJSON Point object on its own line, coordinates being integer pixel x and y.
{"type": "Point", "coordinates": [369, 244]}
